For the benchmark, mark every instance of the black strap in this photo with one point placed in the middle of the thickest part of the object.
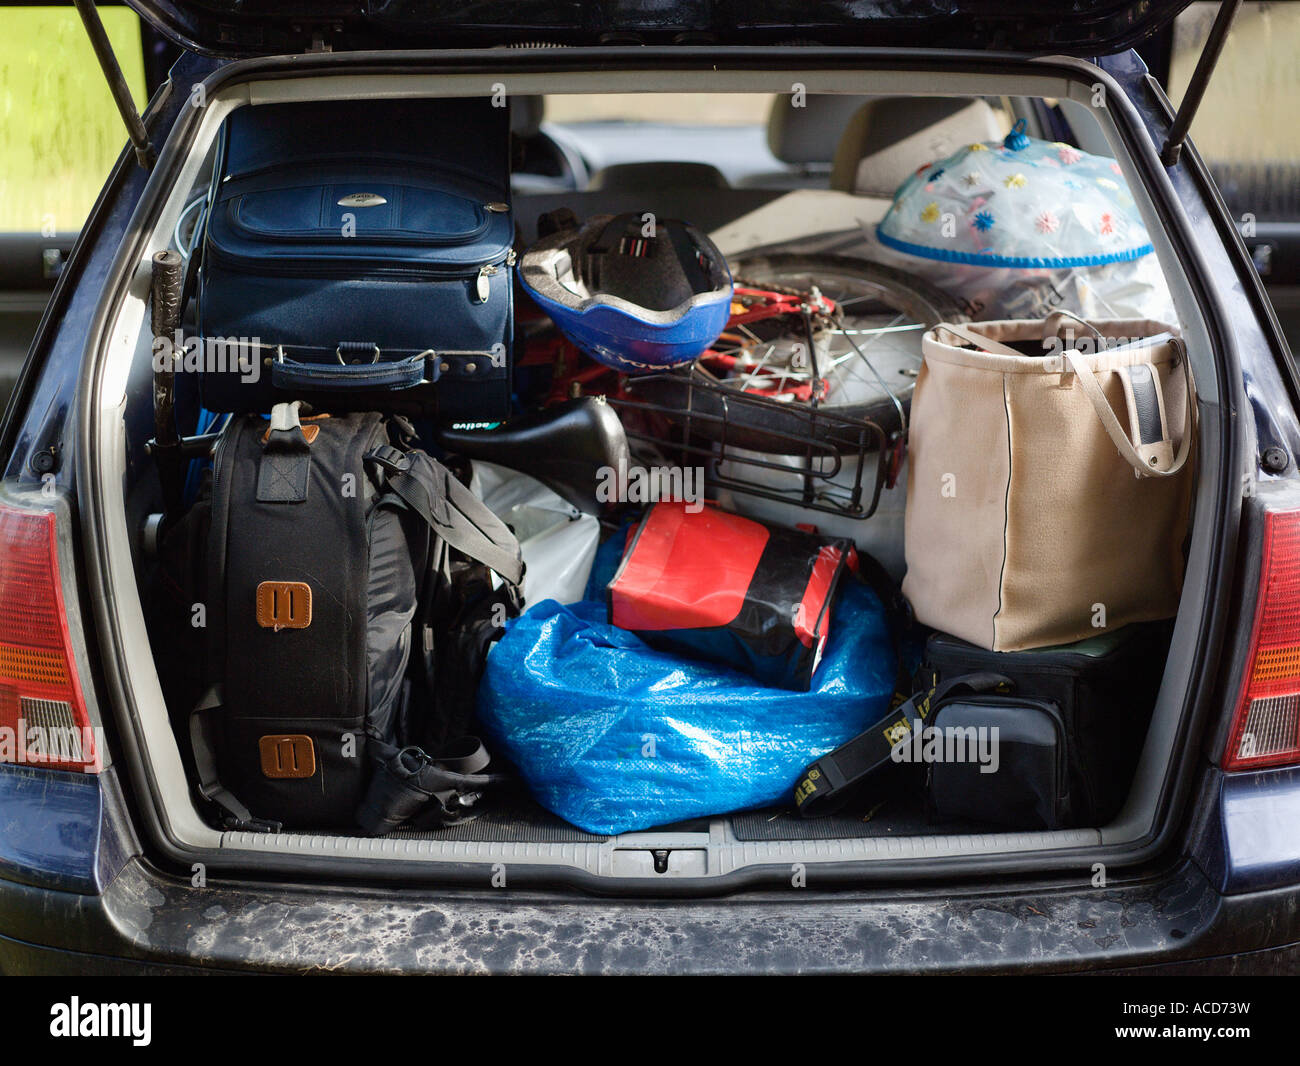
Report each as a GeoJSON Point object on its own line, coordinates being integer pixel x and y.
{"type": "Point", "coordinates": [404, 783]}
{"type": "Point", "coordinates": [284, 469]}
{"type": "Point", "coordinates": [234, 814]}
{"type": "Point", "coordinates": [825, 784]}
{"type": "Point", "coordinates": [452, 511]}
{"type": "Point", "coordinates": [408, 783]}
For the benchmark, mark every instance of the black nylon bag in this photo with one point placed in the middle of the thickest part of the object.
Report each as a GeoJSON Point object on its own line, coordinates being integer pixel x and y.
{"type": "Point", "coordinates": [319, 567]}
{"type": "Point", "coordinates": [1027, 787]}
{"type": "Point", "coordinates": [1103, 690]}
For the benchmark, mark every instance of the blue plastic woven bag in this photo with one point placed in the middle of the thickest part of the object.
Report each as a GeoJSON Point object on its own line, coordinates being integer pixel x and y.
{"type": "Point", "coordinates": [614, 736]}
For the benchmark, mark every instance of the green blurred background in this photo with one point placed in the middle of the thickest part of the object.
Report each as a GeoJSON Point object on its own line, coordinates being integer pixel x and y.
{"type": "Point", "coordinates": [59, 131]}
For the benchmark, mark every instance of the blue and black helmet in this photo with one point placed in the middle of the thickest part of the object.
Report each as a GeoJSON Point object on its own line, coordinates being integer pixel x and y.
{"type": "Point", "coordinates": [636, 293]}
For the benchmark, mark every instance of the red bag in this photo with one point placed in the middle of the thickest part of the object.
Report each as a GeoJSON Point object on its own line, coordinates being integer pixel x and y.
{"type": "Point", "coordinates": [730, 590]}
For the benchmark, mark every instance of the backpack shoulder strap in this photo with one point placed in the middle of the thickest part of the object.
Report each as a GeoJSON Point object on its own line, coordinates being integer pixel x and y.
{"type": "Point", "coordinates": [450, 509]}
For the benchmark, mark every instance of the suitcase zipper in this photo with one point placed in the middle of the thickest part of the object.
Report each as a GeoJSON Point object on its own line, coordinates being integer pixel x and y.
{"type": "Point", "coordinates": [218, 451]}
{"type": "Point", "coordinates": [309, 268]}
{"type": "Point", "coordinates": [482, 285]}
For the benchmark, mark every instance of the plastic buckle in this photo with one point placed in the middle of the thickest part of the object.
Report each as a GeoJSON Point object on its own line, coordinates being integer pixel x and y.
{"type": "Point", "coordinates": [393, 460]}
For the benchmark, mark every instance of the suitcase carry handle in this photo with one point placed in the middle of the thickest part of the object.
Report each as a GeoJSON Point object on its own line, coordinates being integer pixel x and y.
{"type": "Point", "coordinates": [289, 374]}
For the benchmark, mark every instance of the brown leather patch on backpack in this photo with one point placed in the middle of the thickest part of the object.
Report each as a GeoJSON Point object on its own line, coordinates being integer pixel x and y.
{"type": "Point", "coordinates": [284, 605]}
{"type": "Point", "coordinates": [287, 755]}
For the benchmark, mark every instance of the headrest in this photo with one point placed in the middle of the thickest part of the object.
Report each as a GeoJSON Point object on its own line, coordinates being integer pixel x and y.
{"type": "Point", "coordinates": [889, 137]}
{"type": "Point", "coordinates": [526, 115]}
{"type": "Point", "coordinates": [809, 133]}
{"type": "Point", "coordinates": [659, 175]}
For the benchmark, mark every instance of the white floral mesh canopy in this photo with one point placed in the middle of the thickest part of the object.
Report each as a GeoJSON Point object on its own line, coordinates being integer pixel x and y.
{"type": "Point", "coordinates": [1022, 204]}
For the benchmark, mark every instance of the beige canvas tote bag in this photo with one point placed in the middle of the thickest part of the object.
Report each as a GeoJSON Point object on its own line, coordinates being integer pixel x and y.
{"type": "Point", "coordinates": [1048, 494]}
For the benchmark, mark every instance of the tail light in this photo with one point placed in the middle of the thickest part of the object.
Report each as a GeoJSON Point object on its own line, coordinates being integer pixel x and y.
{"type": "Point", "coordinates": [1266, 728]}
{"type": "Point", "coordinates": [43, 719]}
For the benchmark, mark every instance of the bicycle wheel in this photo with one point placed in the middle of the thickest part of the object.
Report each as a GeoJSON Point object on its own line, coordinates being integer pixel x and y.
{"type": "Point", "coordinates": [861, 364]}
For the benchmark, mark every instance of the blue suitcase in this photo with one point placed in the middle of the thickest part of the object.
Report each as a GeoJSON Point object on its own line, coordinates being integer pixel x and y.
{"type": "Point", "coordinates": [358, 254]}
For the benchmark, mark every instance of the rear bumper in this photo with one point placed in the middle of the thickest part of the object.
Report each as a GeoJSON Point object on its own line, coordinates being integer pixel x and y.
{"type": "Point", "coordinates": [145, 922]}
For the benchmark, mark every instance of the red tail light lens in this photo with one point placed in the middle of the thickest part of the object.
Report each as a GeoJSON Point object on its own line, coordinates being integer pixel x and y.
{"type": "Point", "coordinates": [43, 719]}
{"type": "Point", "coordinates": [1266, 729]}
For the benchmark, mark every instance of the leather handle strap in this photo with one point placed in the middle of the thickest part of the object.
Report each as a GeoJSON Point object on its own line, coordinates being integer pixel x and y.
{"type": "Point", "coordinates": [1119, 436]}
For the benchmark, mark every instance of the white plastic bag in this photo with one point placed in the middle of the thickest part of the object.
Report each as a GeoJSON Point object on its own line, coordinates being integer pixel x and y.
{"type": "Point", "coordinates": [558, 541]}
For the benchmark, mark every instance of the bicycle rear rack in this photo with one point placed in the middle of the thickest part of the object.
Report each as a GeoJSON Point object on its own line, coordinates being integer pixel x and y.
{"type": "Point", "coordinates": [790, 452]}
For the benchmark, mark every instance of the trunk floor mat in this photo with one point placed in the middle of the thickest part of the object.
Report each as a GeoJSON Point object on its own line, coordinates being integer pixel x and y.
{"type": "Point", "coordinates": [888, 820]}
{"type": "Point", "coordinates": [517, 820]}
{"type": "Point", "coordinates": [520, 820]}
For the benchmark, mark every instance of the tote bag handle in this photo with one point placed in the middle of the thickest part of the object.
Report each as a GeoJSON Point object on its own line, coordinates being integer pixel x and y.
{"type": "Point", "coordinates": [978, 339]}
{"type": "Point", "coordinates": [1123, 444]}
{"type": "Point", "coordinates": [1101, 406]}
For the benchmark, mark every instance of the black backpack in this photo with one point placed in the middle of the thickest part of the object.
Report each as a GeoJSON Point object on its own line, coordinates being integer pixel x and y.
{"type": "Point", "coordinates": [346, 570]}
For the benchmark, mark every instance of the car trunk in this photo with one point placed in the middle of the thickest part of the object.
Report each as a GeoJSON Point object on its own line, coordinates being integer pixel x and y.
{"type": "Point", "coordinates": [887, 831]}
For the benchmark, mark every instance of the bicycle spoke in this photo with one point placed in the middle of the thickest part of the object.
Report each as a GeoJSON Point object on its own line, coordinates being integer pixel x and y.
{"type": "Point", "coordinates": [911, 328]}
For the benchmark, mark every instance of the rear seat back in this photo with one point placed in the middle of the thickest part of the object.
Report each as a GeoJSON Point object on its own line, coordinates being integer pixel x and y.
{"type": "Point", "coordinates": [701, 205]}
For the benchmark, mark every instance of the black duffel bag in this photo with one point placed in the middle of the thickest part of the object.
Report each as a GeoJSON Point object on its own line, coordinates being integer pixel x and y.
{"type": "Point", "coordinates": [1069, 728]}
